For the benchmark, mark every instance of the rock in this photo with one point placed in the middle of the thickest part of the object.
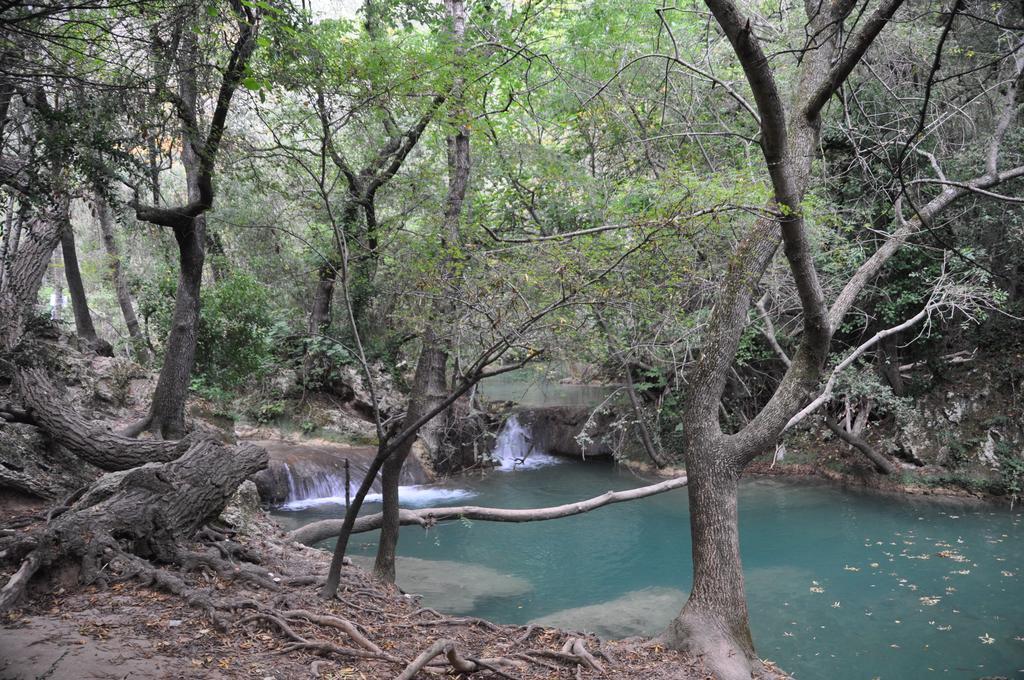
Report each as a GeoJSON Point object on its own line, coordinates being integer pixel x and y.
{"type": "Point", "coordinates": [557, 430]}
{"type": "Point", "coordinates": [640, 612]}
{"type": "Point", "coordinates": [452, 587]}
{"type": "Point", "coordinates": [987, 452]}
{"type": "Point", "coordinates": [244, 508]}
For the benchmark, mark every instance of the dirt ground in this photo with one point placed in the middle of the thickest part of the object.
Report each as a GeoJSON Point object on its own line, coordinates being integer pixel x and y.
{"type": "Point", "coordinates": [132, 630]}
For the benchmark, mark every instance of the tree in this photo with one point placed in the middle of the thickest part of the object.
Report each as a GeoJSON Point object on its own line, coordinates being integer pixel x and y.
{"type": "Point", "coordinates": [431, 379]}
{"type": "Point", "coordinates": [714, 620]}
{"type": "Point", "coordinates": [166, 417]}
{"type": "Point", "coordinates": [105, 217]}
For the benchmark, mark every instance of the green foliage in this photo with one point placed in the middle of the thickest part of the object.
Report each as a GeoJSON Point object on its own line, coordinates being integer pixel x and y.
{"type": "Point", "coordinates": [1011, 470]}
{"type": "Point", "coordinates": [232, 345]}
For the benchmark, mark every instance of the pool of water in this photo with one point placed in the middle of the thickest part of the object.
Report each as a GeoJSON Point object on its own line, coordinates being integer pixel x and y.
{"type": "Point", "coordinates": [841, 584]}
{"type": "Point", "coordinates": [539, 386]}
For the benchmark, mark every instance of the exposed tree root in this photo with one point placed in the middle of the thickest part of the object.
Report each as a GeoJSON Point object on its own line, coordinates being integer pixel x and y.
{"type": "Point", "coordinates": [144, 512]}
{"type": "Point", "coordinates": [459, 663]}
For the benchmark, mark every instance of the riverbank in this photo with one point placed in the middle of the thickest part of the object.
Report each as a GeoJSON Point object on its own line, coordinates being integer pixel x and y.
{"type": "Point", "coordinates": [908, 483]}
{"type": "Point", "coordinates": [268, 621]}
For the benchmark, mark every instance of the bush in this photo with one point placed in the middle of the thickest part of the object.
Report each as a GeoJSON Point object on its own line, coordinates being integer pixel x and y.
{"type": "Point", "coordinates": [232, 346]}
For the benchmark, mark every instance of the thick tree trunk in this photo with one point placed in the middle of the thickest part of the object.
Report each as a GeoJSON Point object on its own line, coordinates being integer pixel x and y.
{"type": "Point", "coordinates": [167, 412]}
{"type": "Point", "coordinates": [146, 511]}
{"type": "Point", "coordinates": [32, 463]}
{"type": "Point", "coordinates": [57, 281]}
{"type": "Point", "coordinates": [91, 442]}
{"type": "Point", "coordinates": [26, 267]}
{"type": "Point", "coordinates": [106, 219]}
{"type": "Point", "coordinates": [714, 622]}
{"type": "Point", "coordinates": [12, 221]}
{"type": "Point", "coordinates": [84, 327]}
{"type": "Point", "coordinates": [323, 295]}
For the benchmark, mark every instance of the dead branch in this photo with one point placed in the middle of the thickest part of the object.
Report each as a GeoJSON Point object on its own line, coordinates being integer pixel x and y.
{"type": "Point", "coordinates": [427, 517]}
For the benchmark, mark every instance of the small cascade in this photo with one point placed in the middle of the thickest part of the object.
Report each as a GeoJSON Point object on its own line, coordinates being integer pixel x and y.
{"type": "Point", "coordinates": [304, 475]}
{"type": "Point", "coordinates": [319, 484]}
{"type": "Point", "coordinates": [514, 448]}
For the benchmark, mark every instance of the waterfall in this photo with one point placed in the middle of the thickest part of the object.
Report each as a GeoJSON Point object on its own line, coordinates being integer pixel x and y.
{"type": "Point", "coordinates": [514, 449]}
{"type": "Point", "coordinates": [313, 485]}
{"type": "Point", "coordinates": [318, 485]}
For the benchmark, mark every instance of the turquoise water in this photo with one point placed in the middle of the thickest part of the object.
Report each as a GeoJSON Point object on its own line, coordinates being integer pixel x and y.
{"type": "Point", "coordinates": [841, 584]}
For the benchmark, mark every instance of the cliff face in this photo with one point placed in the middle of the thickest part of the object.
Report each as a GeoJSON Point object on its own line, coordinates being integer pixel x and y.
{"type": "Point", "coordinates": [961, 429]}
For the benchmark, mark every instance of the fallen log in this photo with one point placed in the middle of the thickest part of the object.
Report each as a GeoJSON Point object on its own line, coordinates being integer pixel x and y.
{"type": "Point", "coordinates": [312, 534]}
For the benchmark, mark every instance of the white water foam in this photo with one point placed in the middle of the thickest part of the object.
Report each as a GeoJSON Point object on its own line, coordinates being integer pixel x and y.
{"type": "Point", "coordinates": [514, 448]}
{"type": "Point", "coordinates": [417, 496]}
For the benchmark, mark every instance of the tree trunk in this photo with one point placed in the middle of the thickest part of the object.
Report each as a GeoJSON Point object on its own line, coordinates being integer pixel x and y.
{"type": "Point", "coordinates": [311, 534]}
{"type": "Point", "coordinates": [880, 462]}
{"type": "Point", "coordinates": [714, 621]}
{"type": "Point", "coordinates": [167, 412]}
{"type": "Point", "coordinates": [12, 221]}
{"type": "Point", "coordinates": [429, 389]}
{"type": "Point", "coordinates": [166, 417]}
{"type": "Point", "coordinates": [91, 442]}
{"type": "Point", "coordinates": [57, 280]}
{"type": "Point", "coordinates": [124, 300]}
{"type": "Point", "coordinates": [889, 364]}
{"type": "Point", "coordinates": [430, 385]}
{"type": "Point", "coordinates": [323, 294]}
{"type": "Point", "coordinates": [84, 327]}
{"type": "Point", "coordinates": [26, 266]}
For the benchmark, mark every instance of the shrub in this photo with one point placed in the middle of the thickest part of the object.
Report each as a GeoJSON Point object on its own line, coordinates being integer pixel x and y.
{"type": "Point", "coordinates": [234, 321]}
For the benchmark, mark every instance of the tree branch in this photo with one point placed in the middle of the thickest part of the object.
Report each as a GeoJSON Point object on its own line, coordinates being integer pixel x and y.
{"type": "Point", "coordinates": [427, 517]}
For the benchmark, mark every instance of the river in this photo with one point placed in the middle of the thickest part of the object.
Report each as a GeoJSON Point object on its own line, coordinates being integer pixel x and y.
{"type": "Point", "coordinates": [842, 584]}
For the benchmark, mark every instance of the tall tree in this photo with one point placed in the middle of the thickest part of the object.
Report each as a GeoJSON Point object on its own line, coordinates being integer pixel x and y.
{"type": "Point", "coordinates": [714, 620]}
{"type": "Point", "coordinates": [105, 217]}
{"type": "Point", "coordinates": [166, 417]}
{"type": "Point", "coordinates": [430, 384]}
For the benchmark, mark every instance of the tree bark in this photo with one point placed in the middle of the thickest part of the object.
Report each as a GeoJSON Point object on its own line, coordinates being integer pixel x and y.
{"type": "Point", "coordinates": [323, 295]}
{"type": "Point", "coordinates": [12, 221]}
{"type": "Point", "coordinates": [91, 442]}
{"type": "Point", "coordinates": [714, 621]}
{"type": "Point", "coordinates": [149, 509]}
{"type": "Point", "coordinates": [57, 280]}
{"type": "Point", "coordinates": [167, 411]}
{"type": "Point", "coordinates": [429, 389]}
{"type": "Point", "coordinates": [25, 271]}
{"type": "Point", "coordinates": [124, 300]}
{"type": "Point", "coordinates": [84, 327]}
